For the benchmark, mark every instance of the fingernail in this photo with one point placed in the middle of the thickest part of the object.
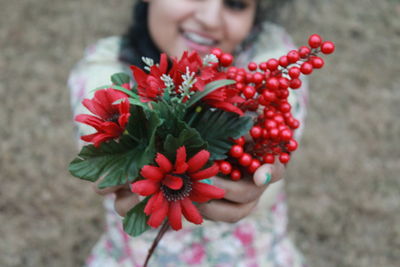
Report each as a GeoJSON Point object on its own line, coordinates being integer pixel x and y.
{"type": "Point", "coordinates": [268, 177]}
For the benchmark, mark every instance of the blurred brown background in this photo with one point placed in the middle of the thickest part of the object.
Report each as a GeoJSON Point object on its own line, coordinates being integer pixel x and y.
{"type": "Point", "coordinates": [343, 186]}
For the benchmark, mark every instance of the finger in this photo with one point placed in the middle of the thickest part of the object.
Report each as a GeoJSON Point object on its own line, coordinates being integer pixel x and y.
{"type": "Point", "coordinates": [269, 173]}
{"type": "Point", "coordinates": [107, 190]}
{"type": "Point", "coordinates": [226, 211]}
{"type": "Point", "coordinates": [242, 191]}
{"type": "Point", "coordinates": [124, 201]}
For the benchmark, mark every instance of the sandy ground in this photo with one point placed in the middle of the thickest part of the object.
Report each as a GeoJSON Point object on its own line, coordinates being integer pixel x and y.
{"type": "Point", "coordinates": [343, 186]}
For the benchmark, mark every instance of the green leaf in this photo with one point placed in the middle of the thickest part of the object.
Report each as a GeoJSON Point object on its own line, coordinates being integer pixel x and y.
{"type": "Point", "coordinates": [120, 78]}
{"type": "Point", "coordinates": [137, 102]}
{"type": "Point", "coordinates": [218, 127]}
{"type": "Point", "coordinates": [189, 138]}
{"type": "Point", "coordinates": [208, 89]}
{"type": "Point", "coordinates": [172, 123]}
{"type": "Point", "coordinates": [119, 88]}
{"type": "Point", "coordinates": [111, 160]}
{"type": "Point", "coordinates": [120, 162]}
{"type": "Point", "coordinates": [135, 221]}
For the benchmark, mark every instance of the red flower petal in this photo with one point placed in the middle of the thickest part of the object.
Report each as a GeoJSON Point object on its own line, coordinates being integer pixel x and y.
{"type": "Point", "coordinates": [159, 200]}
{"type": "Point", "coordinates": [158, 215]}
{"type": "Point", "coordinates": [180, 162]}
{"type": "Point", "coordinates": [207, 190]}
{"type": "Point", "coordinates": [197, 197]}
{"type": "Point", "coordinates": [164, 163]}
{"type": "Point", "coordinates": [89, 120]}
{"type": "Point", "coordinates": [190, 211]}
{"type": "Point", "coordinates": [148, 209]}
{"type": "Point", "coordinates": [173, 182]}
{"type": "Point", "coordinates": [97, 138]}
{"type": "Point", "coordinates": [198, 160]}
{"type": "Point", "coordinates": [145, 187]}
{"type": "Point", "coordinates": [206, 173]}
{"type": "Point", "coordinates": [152, 173]}
{"type": "Point", "coordinates": [95, 108]}
{"type": "Point", "coordinates": [175, 215]}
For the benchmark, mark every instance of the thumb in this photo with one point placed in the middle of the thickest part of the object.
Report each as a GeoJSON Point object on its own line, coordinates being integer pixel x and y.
{"type": "Point", "coordinates": [268, 173]}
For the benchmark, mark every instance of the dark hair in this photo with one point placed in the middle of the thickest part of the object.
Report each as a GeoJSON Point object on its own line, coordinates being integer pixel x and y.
{"type": "Point", "coordinates": [137, 43]}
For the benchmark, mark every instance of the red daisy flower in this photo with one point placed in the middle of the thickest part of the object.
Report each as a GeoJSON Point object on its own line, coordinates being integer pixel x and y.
{"type": "Point", "coordinates": [175, 187]}
{"type": "Point", "coordinates": [150, 86]}
{"type": "Point", "coordinates": [111, 118]}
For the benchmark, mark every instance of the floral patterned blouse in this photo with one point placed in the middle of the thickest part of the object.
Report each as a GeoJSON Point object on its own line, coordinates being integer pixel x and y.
{"type": "Point", "coordinates": [259, 240]}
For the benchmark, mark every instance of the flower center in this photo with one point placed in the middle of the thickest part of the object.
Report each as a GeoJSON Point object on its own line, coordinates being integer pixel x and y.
{"type": "Point", "coordinates": [114, 118]}
{"type": "Point", "coordinates": [183, 192]}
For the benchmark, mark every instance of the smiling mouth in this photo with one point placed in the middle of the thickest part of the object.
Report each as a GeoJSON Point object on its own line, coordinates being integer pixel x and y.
{"type": "Point", "coordinates": [201, 40]}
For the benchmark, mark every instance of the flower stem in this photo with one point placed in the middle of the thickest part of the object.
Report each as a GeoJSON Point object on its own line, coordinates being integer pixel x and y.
{"type": "Point", "coordinates": [160, 234]}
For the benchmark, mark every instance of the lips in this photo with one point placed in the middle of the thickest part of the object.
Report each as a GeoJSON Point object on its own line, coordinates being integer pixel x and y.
{"type": "Point", "coordinates": [199, 39]}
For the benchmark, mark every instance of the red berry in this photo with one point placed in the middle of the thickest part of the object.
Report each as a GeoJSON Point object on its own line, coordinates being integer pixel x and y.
{"type": "Point", "coordinates": [232, 69]}
{"type": "Point", "coordinates": [327, 47]}
{"type": "Point", "coordinates": [292, 145]}
{"type": "Point", "coordinates": [268, 96]}
{"type": "Point", "coordinates": [236, 175]}
{"type": "Point", "coordinates": [269, 113]}
{"type": "Point", "coordinates": [285, 135]}
{"type": "Point", "coordinates": [304, 51]}
{"type": "Point", "coordinates": [295, 83]}
{"type": "Point", "coordinates": [240, 86]}
{"type": "Point", "coordinates": [258, 77]}
{"type": "Point", "coordinates": [249, 77]}
{"type": "Point", "coordinates": [252, 66]}
{"type": "Point", "coordinates": [240, 141]}
{"type": "Point", "coordinates": [249, 91]}
{"type": "Point", "coordinates": [236, 151]}
{"type": "Point", "coordinates": [306, 68]}
{"type": "Point", "coordinates": [293, 56]}
{"type": "Point", "coordinates": [295, 124]}
{"type": "Point", "coordinates": [283, 61]}
{"type": "Point", "coordinates": [279, 119]}
{"type": "Point", "coordinates": [254, 165]}
{"type": "Point", "coordinates": [314, 41]}
{"type": "Point", "coordinates": [285, 107]}
{"type": "Point", "coordinates": [241, 71]}
{"type": "Point", "coordinates": [294, 72]}
{"type": "Point", "coordinates": [269, 158]}
{"type": "Point", "coordinates": [225, 167]}
{"type": "Point", "coordinates": [283, 83]}
{"type": "Point", "coordinates": [217, 52]}
{"type": "Point", "coordinates": [284, 158]}
{"type": "Point", "coordinates": [274, 133]}
{"type": "Point", "coordinates": [265, 133]}
{"type": "Point", "coordinates": [272, 64]}
{"type": "Point", "coordinates": [270, 124]}
{"type": "Point", "coordinates": [226, 59]}
{"type": "Point", "coordinates": [256, 132]}
{"type": "Point", "coordinates": [240, 78]}
{"type": "Point", "coordinates": [317, 62]}
{"type": "Point", "coordinates": [231, 75]}
{"type": "Point", "coordinates": [245, 159]}
{"type": "Point", "coordinates": [263, 66]}
{"type": "Point", "coordinates": [272, 83]}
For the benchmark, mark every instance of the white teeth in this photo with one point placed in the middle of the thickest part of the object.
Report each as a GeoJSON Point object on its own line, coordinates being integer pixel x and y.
{"type": "Point", "coordinates": [199, 39]}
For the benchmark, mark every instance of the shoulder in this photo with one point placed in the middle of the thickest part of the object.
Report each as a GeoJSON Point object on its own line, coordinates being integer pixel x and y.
{"type": "Point", "coordinates": [106, 49]}
{"type": "Point", "coordinates": [99, 62]}
{"type": "Point", "coordinates": [273, 41]}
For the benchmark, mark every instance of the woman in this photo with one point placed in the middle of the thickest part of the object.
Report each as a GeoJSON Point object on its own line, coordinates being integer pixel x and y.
{"type": "Point", "coordinates": [248, 226]}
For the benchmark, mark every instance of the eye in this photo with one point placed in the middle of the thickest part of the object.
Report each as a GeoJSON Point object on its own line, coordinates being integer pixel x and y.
{"type": "Point", "coordinates": [237, 5]}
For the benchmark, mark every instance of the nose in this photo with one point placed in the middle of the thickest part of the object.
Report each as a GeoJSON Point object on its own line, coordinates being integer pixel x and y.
{"type": "Point", "coordinates": [209, 14]}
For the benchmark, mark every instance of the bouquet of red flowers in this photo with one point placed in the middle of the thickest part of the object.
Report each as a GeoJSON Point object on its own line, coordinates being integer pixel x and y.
{"type": "Point", "coordinates": [186, 120]}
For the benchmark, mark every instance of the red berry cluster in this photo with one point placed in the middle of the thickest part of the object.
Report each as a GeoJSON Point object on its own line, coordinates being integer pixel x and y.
{"type": "Point", "coordinates": [265, 88]}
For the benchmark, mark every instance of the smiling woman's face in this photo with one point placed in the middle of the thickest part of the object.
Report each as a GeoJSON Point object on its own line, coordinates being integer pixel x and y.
{"type": "Point", "coordinates": [179, 25]}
